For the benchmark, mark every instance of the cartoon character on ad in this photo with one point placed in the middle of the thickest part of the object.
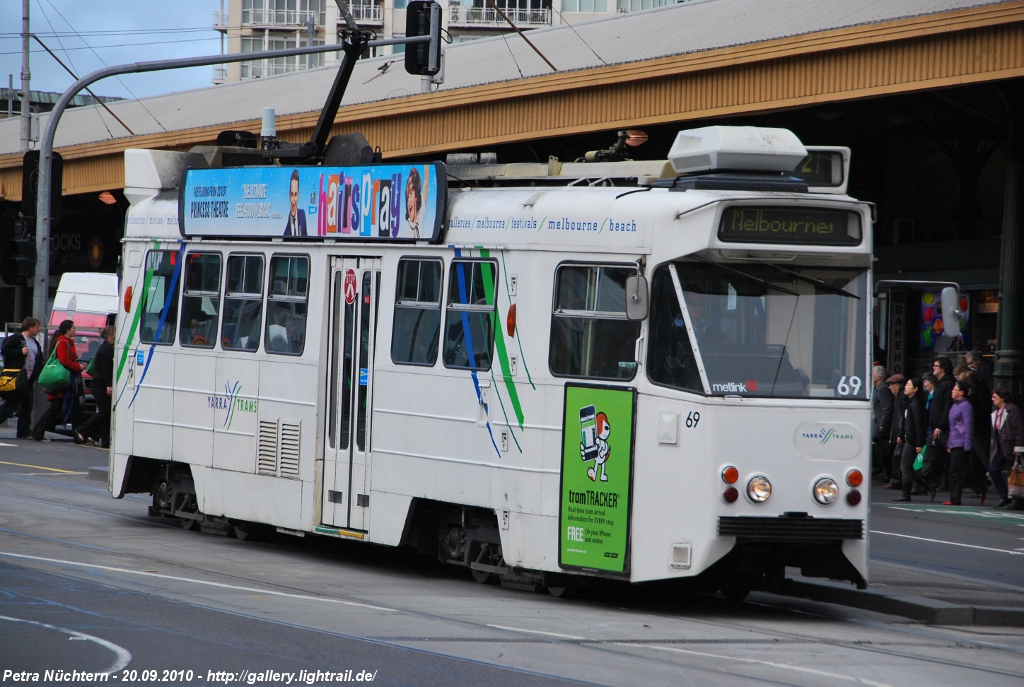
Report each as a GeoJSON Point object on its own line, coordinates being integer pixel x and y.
{"type": "Point", "coordinates": [595, 430]}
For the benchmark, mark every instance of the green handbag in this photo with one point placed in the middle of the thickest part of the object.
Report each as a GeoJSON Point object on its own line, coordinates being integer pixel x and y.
{"type": "Point", "coordinates": [919, 461]}
{"type": "Point", "coordinates": [54, 377]}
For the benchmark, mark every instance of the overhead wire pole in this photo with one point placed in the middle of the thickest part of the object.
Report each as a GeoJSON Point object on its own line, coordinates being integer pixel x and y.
{"type": "Point", "coordinates": [41, 280]}
{"type": "Point", "coordinates": [26, 77]}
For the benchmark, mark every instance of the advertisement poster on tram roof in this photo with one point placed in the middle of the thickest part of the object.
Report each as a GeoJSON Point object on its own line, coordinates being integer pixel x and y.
{"type": "Point", "coordinates": [597, 477]}
{"type": "Point", "coordinates": [385, 202]}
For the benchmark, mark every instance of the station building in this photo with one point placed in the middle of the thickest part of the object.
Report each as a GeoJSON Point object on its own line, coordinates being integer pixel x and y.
{"type": "Point", "coordinates": [928, 95]}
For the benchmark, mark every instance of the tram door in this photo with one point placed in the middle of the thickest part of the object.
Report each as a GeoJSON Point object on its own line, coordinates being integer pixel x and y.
{"type": "Point", "coordinates": [355, 286]}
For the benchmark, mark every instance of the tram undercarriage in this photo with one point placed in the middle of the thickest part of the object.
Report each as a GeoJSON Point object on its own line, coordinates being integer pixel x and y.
{"type": "Point", "coordinates": [469, 537]}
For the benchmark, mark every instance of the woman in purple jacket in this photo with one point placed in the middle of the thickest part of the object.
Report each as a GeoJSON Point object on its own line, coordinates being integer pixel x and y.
{"type": "Point", "coordinates": [959, 445]}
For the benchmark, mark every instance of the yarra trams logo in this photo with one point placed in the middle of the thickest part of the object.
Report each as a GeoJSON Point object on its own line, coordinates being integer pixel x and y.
{"type": "Point", "coordinates": [230, 402]}
{"type": "Point", "coordinates": [831, 434]}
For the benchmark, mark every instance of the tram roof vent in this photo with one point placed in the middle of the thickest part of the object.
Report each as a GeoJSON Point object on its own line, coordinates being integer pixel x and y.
{"type": "Point", "coordinates": [736, 148]}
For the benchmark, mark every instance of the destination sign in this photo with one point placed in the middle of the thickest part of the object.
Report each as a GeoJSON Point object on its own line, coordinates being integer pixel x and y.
{"type": "Point", "coordinates": [793, 225]}
{"type": "Point", "coordinates": [399, 202]}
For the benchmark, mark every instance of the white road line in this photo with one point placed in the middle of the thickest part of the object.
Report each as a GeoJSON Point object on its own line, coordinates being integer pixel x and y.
{"type": "Point", "coordinates": [951, 543]}
{"type": "Point", "coordinates": [107, 568]}
{"type": "Point", "coordinates": [124, 657]}
{"type": "Point", "coordinates": [535, 632]}
{"type": "Point", "coordinates": [784, 666]}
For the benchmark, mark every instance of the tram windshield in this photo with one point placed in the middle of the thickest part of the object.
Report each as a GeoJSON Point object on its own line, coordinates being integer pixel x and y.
{"type": "Point", "coordinates": [760, 329]}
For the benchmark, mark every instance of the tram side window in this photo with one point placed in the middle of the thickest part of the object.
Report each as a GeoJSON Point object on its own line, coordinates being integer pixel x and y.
{"type": "Point", "coordinates": [417, 313]}
{"type": "Point", "coordinates": [469, 321]}
{"type": "Point", "coordinates": [243, 303]}
{"type": "Point", "coordinates": [670, 359]}
{"type": "Point", "coordinates": [159, 307]}
{"type": "Point", "coordinates": [590, 335]}
{"type": "Point", "coordinates": [287, 304]}
{"type": "Point", "coordinates": [200, 304]}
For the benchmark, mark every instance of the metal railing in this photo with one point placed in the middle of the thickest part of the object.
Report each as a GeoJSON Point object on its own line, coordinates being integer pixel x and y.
{"type": "Point", "coordinates": [367, 14]}
{"type": "Point", "coordinates": [258, 69]}
{"type": "Point", "coordinates": [474, 16]}
{"type": "Point", "coordinates": [261, 16]}
{"type": "Point", "coordinates": [220, 19]}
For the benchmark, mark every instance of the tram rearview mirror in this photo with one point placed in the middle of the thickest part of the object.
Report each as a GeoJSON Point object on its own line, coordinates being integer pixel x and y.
{"type": "Point", "coordinates": [950, 312]}
{"type": "Point", "coordinates": [636, 298]}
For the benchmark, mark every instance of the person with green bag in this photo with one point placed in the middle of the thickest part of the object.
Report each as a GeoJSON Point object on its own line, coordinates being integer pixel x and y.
{"type": "Point", "coordinates": [915, 429]}
{"type": "Point", "coordinates": [62, 363]}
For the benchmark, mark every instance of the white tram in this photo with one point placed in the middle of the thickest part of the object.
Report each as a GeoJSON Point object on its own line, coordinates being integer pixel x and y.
{"type": "Point", "coordinates": [641, 370]}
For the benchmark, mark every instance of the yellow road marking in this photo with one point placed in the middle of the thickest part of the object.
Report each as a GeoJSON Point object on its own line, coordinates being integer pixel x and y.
{"type": "Point", "coordinates": [37, 467]}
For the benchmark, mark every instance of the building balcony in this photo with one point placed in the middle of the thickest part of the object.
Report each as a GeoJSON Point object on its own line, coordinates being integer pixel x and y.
{"type": "Point", "coordinates": [260, 17]}
{"type": "Point", "coordinates": [220, 20]}
{"type": "Point", "coordinates": [220, 73]}
{"type": "Point", "coordinates": [258, 69]}
{"type": "Point", "coordinates": [486, 16]}
{"type": "Point", "coordinates": [367, 15]}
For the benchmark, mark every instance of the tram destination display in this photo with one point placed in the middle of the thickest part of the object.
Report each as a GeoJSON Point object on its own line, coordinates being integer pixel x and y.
{"type": "Point", "coordinates": [792, 225]}
{"type": "Point", "coordinates": [597, 468]}
{"type": "Point", "coordinates": [386, 202]}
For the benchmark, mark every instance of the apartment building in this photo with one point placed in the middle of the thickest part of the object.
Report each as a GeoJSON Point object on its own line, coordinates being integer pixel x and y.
{"type": "Point", "coordinates": [257, 25]}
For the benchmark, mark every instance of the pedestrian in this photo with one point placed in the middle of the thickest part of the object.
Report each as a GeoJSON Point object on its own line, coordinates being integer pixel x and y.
{"type": "Point", "coordinates": [980, 398]}
{"type": "Point", "coordinates": [915, 433]}
{"type": "Point", "coordinates": [938, 422]}
{"type": "Point", "coordinates": [960, 446]}
{"type": "Point", "coordinates": [1007, 433]}
{"type": "Point", "coordinates": [982, 368]}
{"type": "Point", "coordinates": [98, 426]}
{"type": "Point", "coordinates": [64, 407]}
{"type": "Point", "coordinates": [21, 352]}
{"type": "Point", "coordinates": [881, 422]}
{"type": "Point", "coordinates": [895, 384]}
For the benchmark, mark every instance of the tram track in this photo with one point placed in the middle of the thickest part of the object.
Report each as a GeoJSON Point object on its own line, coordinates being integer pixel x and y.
{"type": "Point", "coordinates": [603, 645]}
{"type": "Point", "coordinates": [772, 637]}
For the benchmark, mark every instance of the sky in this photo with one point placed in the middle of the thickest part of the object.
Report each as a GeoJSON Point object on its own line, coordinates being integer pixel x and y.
{"type": "Point", "coordinates": [88, 35]}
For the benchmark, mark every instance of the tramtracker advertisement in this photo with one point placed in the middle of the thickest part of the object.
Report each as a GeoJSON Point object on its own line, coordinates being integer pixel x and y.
{"type": "Point", "coordinates": [365, 203]}
{"type": "Point", "coordinates": [597, 476]}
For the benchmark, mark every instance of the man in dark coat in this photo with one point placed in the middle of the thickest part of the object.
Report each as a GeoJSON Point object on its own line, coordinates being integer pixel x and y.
{"type": "Point", "coordinates": [21, 352]}
{"type": "Point", "coordinates": [881, 421]}
{"type": "Point", "coordinates": [895, 384]}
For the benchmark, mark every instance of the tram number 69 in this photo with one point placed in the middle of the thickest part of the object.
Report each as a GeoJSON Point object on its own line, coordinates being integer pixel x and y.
{"type": "Point", "coordinates": [853, 387]}
{"type": "Point", "coordinates": [692, 418]}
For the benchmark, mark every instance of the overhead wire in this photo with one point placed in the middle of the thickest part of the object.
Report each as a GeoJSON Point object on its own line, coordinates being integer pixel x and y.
{"type": "Point", "coordinates": [573, 29]}
{"type": "Point", "coordinates": [142, 104]}
{"type": "Point", "coordinates": [61, 43]}
{"type": "Point", "coordinates": [119, 45]}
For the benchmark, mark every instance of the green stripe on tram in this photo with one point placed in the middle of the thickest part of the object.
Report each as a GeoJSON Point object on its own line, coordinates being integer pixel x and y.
{"type": "Point", "coordinates": [136, 318]}
{"type": "Point", "coordinates": [499, 338]}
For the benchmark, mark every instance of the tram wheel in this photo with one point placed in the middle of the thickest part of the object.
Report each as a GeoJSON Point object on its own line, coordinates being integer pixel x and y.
{"type": "Point", "coordinates": [566, 592]}
{"type": "Point", "coordinates": [244, 530]}
{"type": "Point", "coordinates": [483, 577]}
{"type": "Point", "coordinates": [734, 589]}
{"type": "Point", "coordinates": [189, 506]}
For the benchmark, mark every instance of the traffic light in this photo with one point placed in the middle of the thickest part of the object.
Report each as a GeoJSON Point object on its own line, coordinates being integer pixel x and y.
{"type": "Point", "coordinates": [17, 248]}
{"type": "Point", "coordinates": [30, 185]}
{"type": "Point", "coordinates": [423, 19]}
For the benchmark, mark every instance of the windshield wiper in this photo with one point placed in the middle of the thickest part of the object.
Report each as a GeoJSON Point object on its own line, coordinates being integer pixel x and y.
{"type": "Point", "coordinates": [747, 277]}
{"type": "Point", "coordinates": [809, 280]}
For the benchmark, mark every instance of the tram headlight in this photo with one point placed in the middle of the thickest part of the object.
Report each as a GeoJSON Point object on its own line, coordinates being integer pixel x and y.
{"type": "Point", "coordinates": [826, 491]}
{"type": "Point", "coordinates": [759, 489]}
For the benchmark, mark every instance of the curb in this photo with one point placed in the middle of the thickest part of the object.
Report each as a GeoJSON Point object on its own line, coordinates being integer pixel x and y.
{"type": "Point", "coordinates": [99, 474]}
{"type": "Point", "coordinates": [922, 609]}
